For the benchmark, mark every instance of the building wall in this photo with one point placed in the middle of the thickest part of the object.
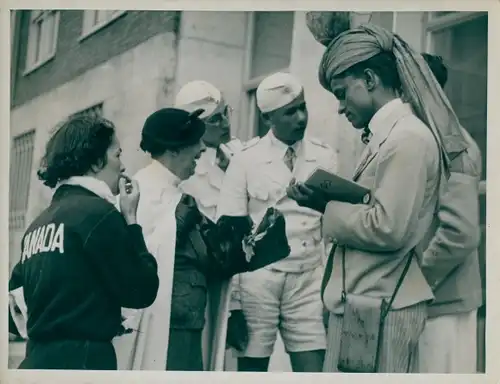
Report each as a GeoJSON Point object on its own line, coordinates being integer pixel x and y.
{"type": "Point", "coordinates": [324, 122]}
{"type": "Point", "coordinates": [129, 66]}
{"type": "Point", "coordinates": [75, 56]}
{"type": "Point", "coordinates": [410, 26]}
{"type": "Point", "coordinates": [131, 86]}
{"type": "Point", "coordinates": [212, 47]}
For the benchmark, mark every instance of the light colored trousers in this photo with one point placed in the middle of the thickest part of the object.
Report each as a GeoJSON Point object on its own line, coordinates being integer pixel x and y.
{"type": "Point", "coordinates": [402, 330]}
{"type": "Point", "coordinates": [449, 344]}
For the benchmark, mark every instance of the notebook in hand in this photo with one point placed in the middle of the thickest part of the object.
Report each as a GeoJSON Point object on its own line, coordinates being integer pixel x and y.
{"type": "Point", "coordinates": [337, 188]}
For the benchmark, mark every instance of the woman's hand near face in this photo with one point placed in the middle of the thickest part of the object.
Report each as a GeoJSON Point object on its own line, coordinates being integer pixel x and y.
{"type": "Point", "coordinates": [129, 199]}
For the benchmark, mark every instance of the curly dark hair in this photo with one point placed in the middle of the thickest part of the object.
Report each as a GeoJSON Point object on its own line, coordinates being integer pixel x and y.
{"type": "Point", "coordinates": [438, 68]}
{"type": "Point", "coordinates": [78, 145]}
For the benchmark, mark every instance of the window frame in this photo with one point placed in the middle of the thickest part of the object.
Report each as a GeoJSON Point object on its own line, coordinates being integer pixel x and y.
{"type": "Point", "coordinates": [437, 23]}
{"type": "Point", "coordinates": [12, 28]}
{"type": "Point", "coordinates": [35, 15]}
{"type": "Point", "coordinates": [433, 24]}
{"type": "Point", "coordinates": [89, 31]}
{"type": "Point", "coordinates": [250, 113]}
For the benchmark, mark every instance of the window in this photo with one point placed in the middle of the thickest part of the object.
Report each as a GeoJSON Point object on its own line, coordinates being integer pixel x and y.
{"type": "Point", "coordinates": [42, 38]}
{"type": "Point", "coordinates": [269, 45]}
{"type": "Point", "coordinates": [21, 163]}
{"type": "Point", "coordinates": [95, 111]}
{"type": "Point", "coordinates": [464, 47]}
{"type": "Point", "coordinates": [12, 27]}
{"type": "Point", "coordinates": [461, 38]}
{"type": "Point", "coordinates": [93, 20]}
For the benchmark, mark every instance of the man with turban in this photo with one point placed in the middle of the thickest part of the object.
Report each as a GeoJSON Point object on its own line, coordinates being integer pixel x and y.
{"type": "Point", "coordinates": [286, 295]}
{"type": "Point", "coordinates": [451, 266]}
{"type": "Point", "coordinates": [169, 333]}
{"type": "Point", "coordinates": [372, 278]}
{"type": "Point", "coordinates": [205, 186]}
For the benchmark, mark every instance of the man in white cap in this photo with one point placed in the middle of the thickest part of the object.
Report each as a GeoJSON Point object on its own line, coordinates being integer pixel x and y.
{"type": "Point", "coordinates": [205, 186]}
{"type": "Point", "coordinates": [285, 295]}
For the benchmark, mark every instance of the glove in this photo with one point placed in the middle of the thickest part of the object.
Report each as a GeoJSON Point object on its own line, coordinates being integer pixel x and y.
{"type": "Point", "coordinates": [187, 215]}
{"type": "Point", "coordinates": [273, 246]}
{"type": "Point", "coordinates": [223, 241]}
{"type": "Point", "coordinates": [237, 331]}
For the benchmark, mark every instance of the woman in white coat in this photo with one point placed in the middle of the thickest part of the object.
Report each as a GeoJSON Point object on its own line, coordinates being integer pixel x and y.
{"type": "Point", "coordinates": [175, 233]}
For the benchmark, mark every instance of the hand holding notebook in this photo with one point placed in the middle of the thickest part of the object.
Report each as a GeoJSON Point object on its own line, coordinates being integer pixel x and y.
{"type": "Point", "coordinates": [337, 188]}
{"type": "Point", "coordinates": [323, 186]}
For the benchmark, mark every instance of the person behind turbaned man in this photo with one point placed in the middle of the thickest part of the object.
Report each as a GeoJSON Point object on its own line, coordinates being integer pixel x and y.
{"type": "Point", "coordinates": [450, 263]}
{"type": "Point", "coordinates": [285, 296]}
{"type": "Point", "coordinates": [81, 260]}
{"type": "Point", "coordinates": [189, 248]}
{"type": "Point", "coordinates": [205, 187]}
{"type": "Point", "coordinates": [205, 184]}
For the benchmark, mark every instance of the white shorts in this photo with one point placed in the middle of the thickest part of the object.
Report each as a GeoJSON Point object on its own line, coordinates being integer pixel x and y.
{"type": "Point", "coordinates": [290, 302]}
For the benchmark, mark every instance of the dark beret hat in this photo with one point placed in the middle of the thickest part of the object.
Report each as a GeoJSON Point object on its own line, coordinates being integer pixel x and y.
{"type": "Point", "coordinates": [174, 128]}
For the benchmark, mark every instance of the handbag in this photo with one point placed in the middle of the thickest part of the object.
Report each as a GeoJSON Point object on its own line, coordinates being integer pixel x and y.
{"type": "Point", "coordinates": [363, 324]}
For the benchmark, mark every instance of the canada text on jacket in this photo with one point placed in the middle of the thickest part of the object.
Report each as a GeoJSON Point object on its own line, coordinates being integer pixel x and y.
{"type": "Point", "coordinates": [47, 238]}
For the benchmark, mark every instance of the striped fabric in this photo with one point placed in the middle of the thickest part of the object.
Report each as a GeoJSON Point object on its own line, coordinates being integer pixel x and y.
{"type": "Point", "coordinates": [401, 333]}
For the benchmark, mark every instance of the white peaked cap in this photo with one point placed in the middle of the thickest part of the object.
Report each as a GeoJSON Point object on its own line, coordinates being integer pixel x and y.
{"type": "Point", "coordinates": [199, 94]}
{"type": "Point", "coordinates": [276, 91]}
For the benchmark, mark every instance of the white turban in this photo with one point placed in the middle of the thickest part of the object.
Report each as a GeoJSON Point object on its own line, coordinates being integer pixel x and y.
{"type": "Point", "coordinates": [276, 91]}
{"type": "Point", "coordinates": [199, 94]}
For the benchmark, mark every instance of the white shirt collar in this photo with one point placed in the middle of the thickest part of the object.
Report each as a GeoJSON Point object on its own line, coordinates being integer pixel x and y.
{"type": "Point", "coordinates": [381, 115]}
{"type": "Point", "coordinates": [167, 176]}
{"type": "Point", "coordinates": [96, 186]}
{"type": "Point", "coordinates": [281, 146]}
{"type": "Point", "coordinates": [210, 155]}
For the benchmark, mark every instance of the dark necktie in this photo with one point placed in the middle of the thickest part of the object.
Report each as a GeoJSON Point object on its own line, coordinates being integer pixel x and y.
{"type": "Point", "coordinates": [366, 135]}
{"type": "Point", "coordinates": [221, 160]}
{"type": "Point", "coordinates": [289, 158]}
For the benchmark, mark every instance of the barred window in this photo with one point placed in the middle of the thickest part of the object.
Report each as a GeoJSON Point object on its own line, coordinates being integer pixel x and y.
{"type": "Point", "coordinates": [94, 111]}
{"type": "Point", "coordinates": [21, 164]}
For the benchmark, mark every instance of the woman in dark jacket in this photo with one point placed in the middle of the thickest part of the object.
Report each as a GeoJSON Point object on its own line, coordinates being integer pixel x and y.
{"type": "Point", "coordinates": [82, 260]}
